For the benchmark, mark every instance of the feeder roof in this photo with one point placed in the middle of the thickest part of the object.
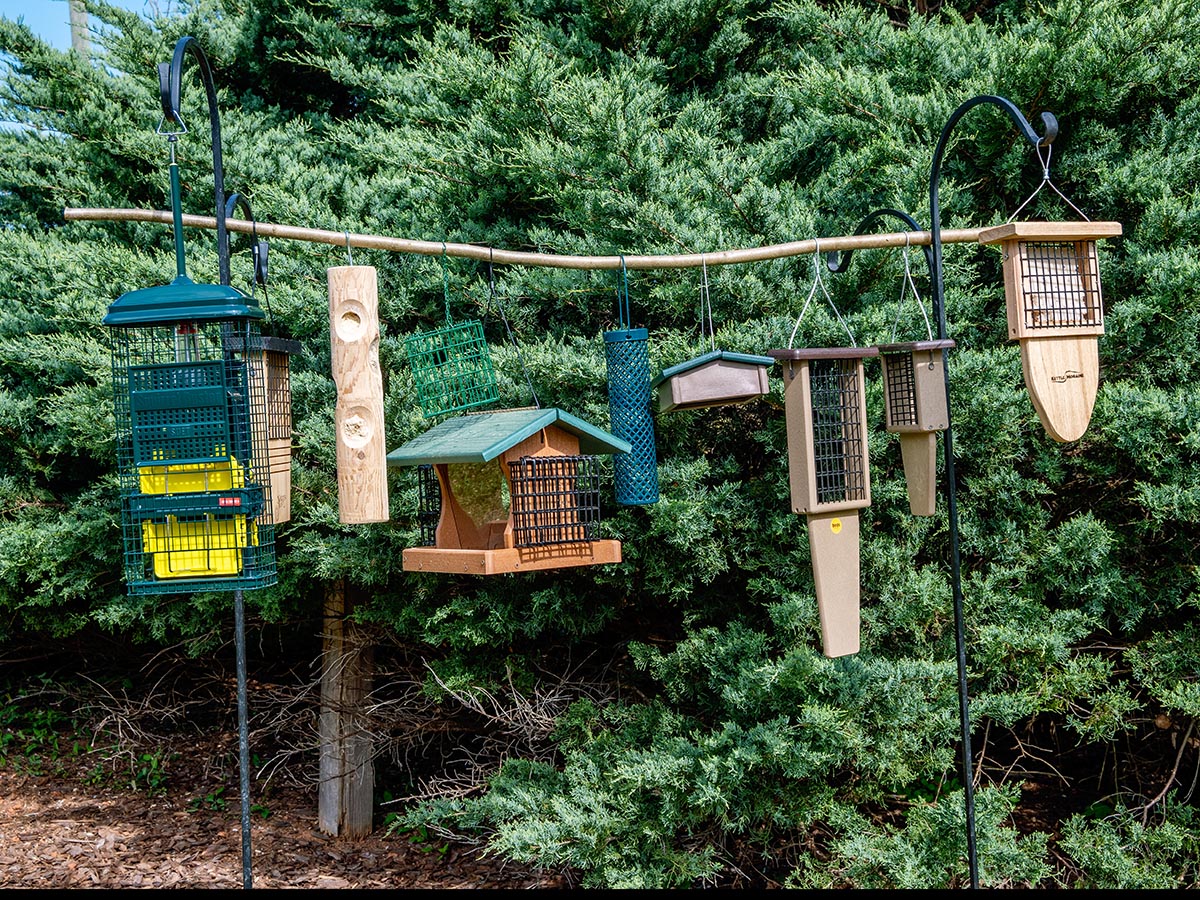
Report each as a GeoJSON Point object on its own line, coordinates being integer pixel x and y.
{"type": "Point", "coordinates": [712, 356]}
{"type": "Point", "coordinates": [183, 300]}
{"type": "Point", "coordinates": [1050, 231]}
{"type": "Point", "coordinates": [480, 437]}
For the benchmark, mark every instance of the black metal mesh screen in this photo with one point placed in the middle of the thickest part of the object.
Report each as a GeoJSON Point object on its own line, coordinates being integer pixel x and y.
{"type": "Point", "coordinates": [1060, 284]}
{"type": "Point", "coordinates": [555, 500]}
{"type": "Point", "coordinates": [838, 438]}
{"type": "Point", "coordinates": [901, 380]}
{"type": "Point", "coordinates": [429, 504]}
{"type": "Point", "coordinates": [279, 394]}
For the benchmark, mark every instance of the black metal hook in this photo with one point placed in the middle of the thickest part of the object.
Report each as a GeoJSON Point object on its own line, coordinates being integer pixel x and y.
{"type": "Point", "coordinates": [837, 263]}
{"type": "Point", "coordinates": [258, 249]}
{"type": "Point", "coordinates": [169, 87]}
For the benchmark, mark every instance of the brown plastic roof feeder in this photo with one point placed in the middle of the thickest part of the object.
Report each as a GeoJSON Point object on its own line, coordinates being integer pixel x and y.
{"type": "Point", "coordinates": [914, 393]}
{"type": "Point", "coordinates": [1052, 291]}
{"type": "Point", "coordinates": [826, 413]}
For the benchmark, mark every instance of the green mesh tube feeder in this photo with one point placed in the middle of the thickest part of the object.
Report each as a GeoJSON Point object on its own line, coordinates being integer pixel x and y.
{"type": "Point", "coordinates": [627, 356]}
{"type": "Point", "coordinates": [451, 366]}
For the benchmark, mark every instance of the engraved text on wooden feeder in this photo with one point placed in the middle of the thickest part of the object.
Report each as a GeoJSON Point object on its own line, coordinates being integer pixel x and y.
{"type": "Point", "coordinates": [1055, 311]}
{"type": "Point", "coordinates": [826, 414]}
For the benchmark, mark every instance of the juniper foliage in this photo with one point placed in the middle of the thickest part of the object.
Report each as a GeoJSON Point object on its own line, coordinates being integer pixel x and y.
{"type": "Point", "coordinates": [576, 127]}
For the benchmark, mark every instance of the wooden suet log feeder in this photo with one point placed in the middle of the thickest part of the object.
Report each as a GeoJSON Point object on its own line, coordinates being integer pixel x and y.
{"type": "Point", "coordinates": [1055, 311]}
{"type": "Point", "coordinates": [828, 472]}
{"type": "Point", "coordinates": [914, 392]}
{"type": "Point", "coordinates": [718, 378]}
{"type": "Point", "coordinates": [516, 490]}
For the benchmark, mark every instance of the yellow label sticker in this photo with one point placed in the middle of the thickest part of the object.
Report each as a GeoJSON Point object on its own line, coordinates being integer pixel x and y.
{"type": "Point", "coordinates": [835, 525]}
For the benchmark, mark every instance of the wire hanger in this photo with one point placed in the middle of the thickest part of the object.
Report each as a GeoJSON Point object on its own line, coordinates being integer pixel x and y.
{"type": "Point", "coordinates": [493, 295]}
{"type": "Point", "coordinates": [1046, 181]}
{"type": "Point", "coordinates": [706, 306]}
{"type": "Point", "coordinates": [819, 283]}
{"type": "Point", "coordinates": [906, 287]}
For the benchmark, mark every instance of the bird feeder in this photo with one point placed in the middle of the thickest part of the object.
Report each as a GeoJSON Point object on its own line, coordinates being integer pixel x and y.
{"type": "Point", "coordinates": [717, 378]}
{"type": "Point", "coordinates": [451, 366]}
{"type": "Point", "coordinates": [627, 360]}
{"type": "Point", "coordinates": [512, 491]}
{"type": "Point", "coordinates": [276, 367]}
{"type": "Point", "coordinates": [190, 396]}
{"type": "Point", "coordinates": [914, 393]}
{"type": "Point", "coordinates": [825, 410]}
{"type": "Point", "coordinates": [1055, 312]}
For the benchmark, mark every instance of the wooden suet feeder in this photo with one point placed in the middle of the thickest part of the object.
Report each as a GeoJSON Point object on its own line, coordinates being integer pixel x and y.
{"type": "Point", "coordinates": [914, 392]}
{"type": "Point", "coordinates": [826, 412]}
{"type": "Point", "coordinates": [514, 490]}
{"type": "Point", "coordinates": [276, 367]}
{"type": "Point", "coordinates": [1052, 291]}
{"type": "Point", "coordinates": [718, 378]}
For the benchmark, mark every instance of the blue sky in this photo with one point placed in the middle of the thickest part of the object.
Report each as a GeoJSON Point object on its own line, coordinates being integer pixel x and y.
{"type": "Point", "coordinates": [51, 19]}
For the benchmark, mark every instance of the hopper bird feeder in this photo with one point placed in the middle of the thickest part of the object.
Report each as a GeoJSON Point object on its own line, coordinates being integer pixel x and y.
{"type": "Point", "coordinates": [716, 378]}
{"type": "Point", "coordinates": [1055, 312]}
{"type": "Point", "coordinates": [627, 358]}
{"type": "Point", "coordinates": [829, 479]}
{"type": "Point", "coordinates": [451, 366]}
{"type": "Point", "coordinates": [513, 490]}
{"type": "Point", "coordinates": [914, 393]}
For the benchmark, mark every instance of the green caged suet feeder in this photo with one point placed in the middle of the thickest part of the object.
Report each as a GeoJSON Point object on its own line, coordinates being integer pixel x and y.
{"type": "Point", "coordinates": [451, 366]}
{"type": "Point", "coordinates": [190, 401]}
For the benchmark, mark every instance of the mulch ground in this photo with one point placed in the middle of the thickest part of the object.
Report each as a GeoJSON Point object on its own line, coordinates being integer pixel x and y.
{"type": "Point", "coordinates": [58, 831]}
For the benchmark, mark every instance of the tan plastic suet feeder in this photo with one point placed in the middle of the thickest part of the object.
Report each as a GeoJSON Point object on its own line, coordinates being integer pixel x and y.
{"type": "Point", "coordinates": [1055, 311]}
{"type": "Point", "coordinates": [914, 393]}
{"type": "Point", "coordinates": [826, 412]}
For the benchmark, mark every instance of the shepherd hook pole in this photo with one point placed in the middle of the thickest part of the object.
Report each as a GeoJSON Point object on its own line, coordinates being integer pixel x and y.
{"type": "Point", "coordinates": [169, 77]}
{"type": "Point", "coordinates": [939, 310]}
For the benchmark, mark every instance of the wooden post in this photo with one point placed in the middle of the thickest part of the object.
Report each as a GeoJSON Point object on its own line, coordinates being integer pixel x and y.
{"type": "Point", "coordinates": [354, 339]}
{"type": "Point", "coordinates": [345, 795]}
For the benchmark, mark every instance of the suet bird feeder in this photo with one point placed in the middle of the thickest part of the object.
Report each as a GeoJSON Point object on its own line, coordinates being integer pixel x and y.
{"type": "Point", "coordinates": [510, 491]}
{"type": "Point", "coordinates": [451, 366]}
{"type": "Point", "coordinates": [717, 378]}
{"type": "Point", "coordinates": [276, 366]}
{"type": "Point", "coordinates": [825, 411]}
{"type": "Point", "coordinates": [914, 393]}
{"type": "Point", "coordinates": [1052, 291]}
{"type": "Point", "coordinates": [190, 395]}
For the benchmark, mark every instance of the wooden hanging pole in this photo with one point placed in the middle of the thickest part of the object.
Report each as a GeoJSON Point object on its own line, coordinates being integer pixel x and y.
{"type": "Point", "coordinates": [521, 258]}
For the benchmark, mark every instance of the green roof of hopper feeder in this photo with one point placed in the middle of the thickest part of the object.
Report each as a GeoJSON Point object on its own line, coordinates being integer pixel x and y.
{"type": "Point", "coordinates": [183, 300]}
{"type": "Point", "coordinates": [480, 437]}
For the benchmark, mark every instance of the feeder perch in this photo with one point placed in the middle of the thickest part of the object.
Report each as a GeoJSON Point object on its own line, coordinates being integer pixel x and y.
{"type": "Point", "coordinates": [826, 411]}
{"type": "Point", "coordinates": [635, 472]}
{"type": "Point", "coordinates": [514, 490]}
{"type": "Point", "coordinates": [190, 397]}
{"type": "Point", "coordinates": [1055, 312]}
{"type": "Point", "coordinates": [452, 368]}
{"type": "Point", "coordinates": [914, 391]}
{"type": "Point", "coordinates": [718, 378]}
